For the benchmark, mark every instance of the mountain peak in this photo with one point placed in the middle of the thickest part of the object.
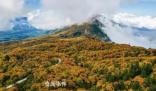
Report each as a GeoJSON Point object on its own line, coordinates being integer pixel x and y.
{"type": "Point", "coordinates": [22, 24]}
{"type": "Point", "coordinates": [21, 29]}
{"type": "Point", "coordinates": [89, 29]}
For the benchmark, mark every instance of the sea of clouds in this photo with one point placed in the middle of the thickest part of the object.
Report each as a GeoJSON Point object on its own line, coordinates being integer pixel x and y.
{"type": "Point", "coordinates": [131, 29]}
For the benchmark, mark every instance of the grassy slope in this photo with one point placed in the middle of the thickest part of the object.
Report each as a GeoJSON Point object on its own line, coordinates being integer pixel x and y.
{"type": "Point", "coordinates": [86, 63]}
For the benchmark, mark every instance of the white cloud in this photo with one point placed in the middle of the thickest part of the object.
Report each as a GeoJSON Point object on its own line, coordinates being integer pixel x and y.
{"type": "Point", "coordinates": [9, 9]}
{"type": "Point", "coordinates": [136, 21]}
{"type": "Point", "coordinates": [59, 12]}
{"type": "Point", "coordinates": [56, 13]}
{"type": "Point", "coordinates": [120, 33]}
{"type": "Point", "coordinates": [47, 20]}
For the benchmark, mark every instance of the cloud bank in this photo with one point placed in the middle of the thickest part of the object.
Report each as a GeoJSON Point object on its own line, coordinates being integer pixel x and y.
{"type": "Point", "coordinates": [56, 13]}
{"type": "Point", "coordinates": [136, 21]}
{"type": "Point", "coordinates": [9, 9]}
{"type": "Point", "coordinates": [130, 31]}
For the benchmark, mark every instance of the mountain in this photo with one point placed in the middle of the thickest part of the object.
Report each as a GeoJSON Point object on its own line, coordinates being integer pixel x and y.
{"type": "Point", "coordinates": [21, 29]}
{"type": "Point", "coordinates": [76, 58]}
{"type": "Point", "coordinates": [100, 27]}
{"type": "Point", "coordinates": [109, 29]}
{"type": "Point", "coordinates": [90, 29]}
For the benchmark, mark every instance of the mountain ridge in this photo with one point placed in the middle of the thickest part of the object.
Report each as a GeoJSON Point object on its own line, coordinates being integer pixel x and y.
{"type": "Point", "coordinates": [86, 63]}
{"type": "Point", "coordinates": [89, 29]}
{"type": "Point", "coordinates": [101, 27]}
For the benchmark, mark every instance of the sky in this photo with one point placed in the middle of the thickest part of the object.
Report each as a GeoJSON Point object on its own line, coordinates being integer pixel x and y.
{"type": "Point", "coordinates": [74, 11]}
{"type": "Point", "coordinates": [52, 14]}
{"type": "Point", "coordinates": [66, 12]}
{"type": "Point", "coordinates": [56, 13]}
{"type": "Point", "coordinates": [140, 7]}
{"type": "Point", "coordinates": [33, 4]}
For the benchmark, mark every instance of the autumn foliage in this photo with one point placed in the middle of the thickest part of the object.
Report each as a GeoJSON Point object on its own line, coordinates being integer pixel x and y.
{"type": "Point", "coordinates": [86, 63]}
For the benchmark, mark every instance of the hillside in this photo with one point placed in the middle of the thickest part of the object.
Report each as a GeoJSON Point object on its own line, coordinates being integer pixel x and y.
{"type": "Point", "coordinates": [76, 60]}
{"type": "Point", "coordinates": [91, 29]}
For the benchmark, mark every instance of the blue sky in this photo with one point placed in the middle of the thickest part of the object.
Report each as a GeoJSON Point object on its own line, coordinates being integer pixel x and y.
{"type": "Point", "coordinates": [140, 7]}
{"type": "Point", "coordinates": [59, 13]}
{"type": "Point", "coordinates": [70, 10]}
{"type": "Point", "coordinates": [33, 4]}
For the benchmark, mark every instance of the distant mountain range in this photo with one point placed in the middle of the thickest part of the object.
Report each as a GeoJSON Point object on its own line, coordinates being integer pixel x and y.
{"type": "Point", "coordinates": [21, 29]}
{"type": "Point", "coordinates": [101, 27]}
{"type": "Point", "coordinates": [76, 57]}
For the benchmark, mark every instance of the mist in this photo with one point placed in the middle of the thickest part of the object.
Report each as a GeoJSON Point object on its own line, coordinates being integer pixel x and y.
{"type": "Point", "coordinates": [9, 9]}
{"type": "Point", "coordinates": [47, 14]}
{"type": "Point", "coordinates": [130, 33]}
{"type": "Point", "coordinates": [56, 13]}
